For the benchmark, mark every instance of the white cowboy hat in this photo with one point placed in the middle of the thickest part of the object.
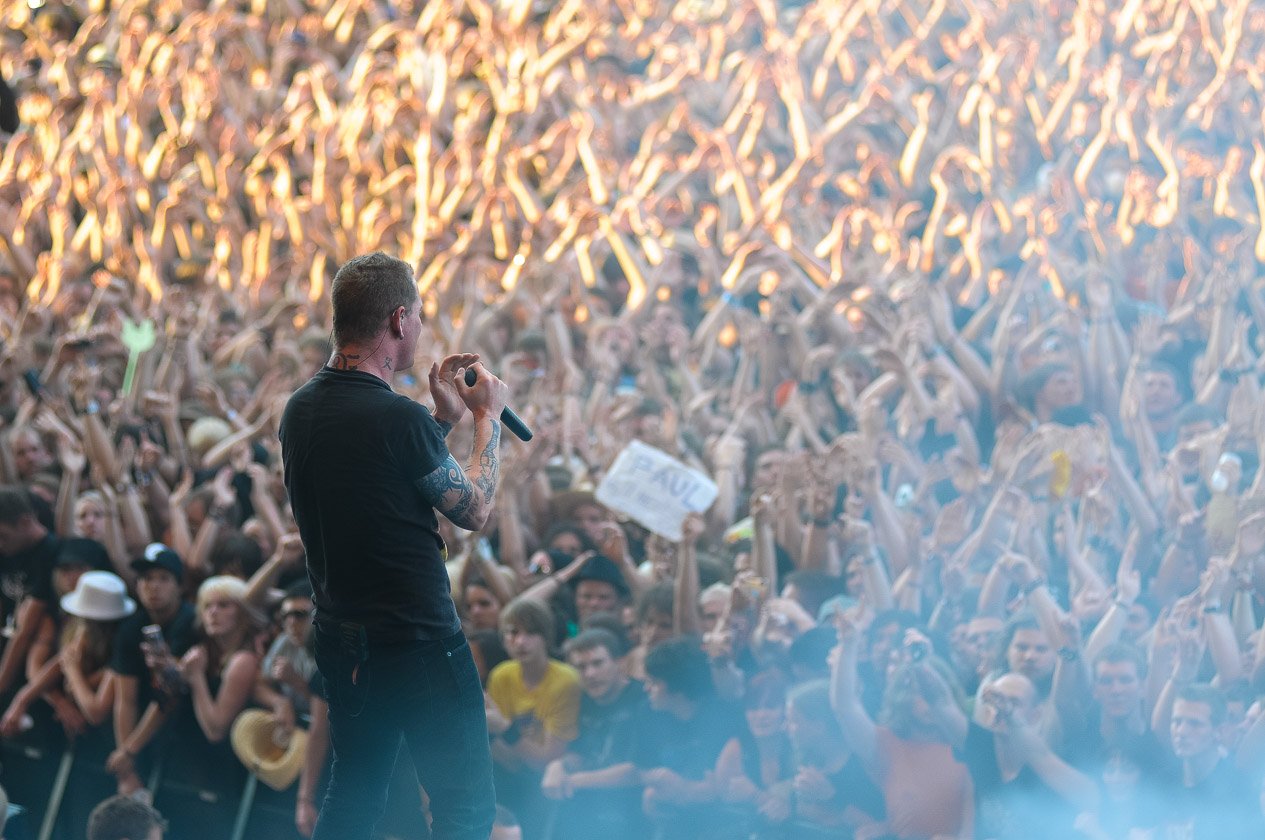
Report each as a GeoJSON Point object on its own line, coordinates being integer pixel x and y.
{"type": "Point", "coordinates": [100, 596]}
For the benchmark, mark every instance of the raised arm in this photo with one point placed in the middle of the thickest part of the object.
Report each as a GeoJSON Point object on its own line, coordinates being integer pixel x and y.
{"type": "Point", "coordinates": [845, 697]}
{"type": "Point", "coordinates": [465, 496]}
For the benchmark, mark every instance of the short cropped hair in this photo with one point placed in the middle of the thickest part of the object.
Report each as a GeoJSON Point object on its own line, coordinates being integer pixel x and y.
{"type": "Point", "coordinates": [530, 617]}
{"type": "Point", "coordinates": [122, 817]}
{"type": "Point", "coordinates": [682, 667]}
{"type": "Point", "coordinates": [15, 503]}
{"type": "Point", "coordinates": [1122, 652]}
{"type": "Point", "coordinates": [592, 639]}
{"type": "Point", "coordinates": [1205, 693]}
{"type": "Point", "coordinates": [366, 290]}
{"type": "Point", "coordinates": [657, 600]}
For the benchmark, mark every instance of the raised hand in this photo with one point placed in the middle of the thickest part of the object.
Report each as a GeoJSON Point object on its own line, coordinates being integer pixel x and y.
{"type": "Point", "coordinates": [442, 378]}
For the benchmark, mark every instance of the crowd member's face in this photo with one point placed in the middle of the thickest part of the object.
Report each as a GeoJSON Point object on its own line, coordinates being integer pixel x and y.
{"type": "Point", "coordinates": [65, 578]}
{"type": "Point", "coordinates": [1237, 722]}
{"type": "Point", "coordinates": [482, 608]}
{"type": "Point", "coordinates": [1138, 622]}
{"type": "Point", "coordinates": [1030, 654]}
{"type": "Point", "coordinates": [16, 537]}
{"type": "Point", "coordinates": [600, 674]}
{"type": "Point", "coordinates": [158, 591]}
{"type": "Point", "coordinates": [219, 615]}
{"type": "Point", "coordinates": [238, 393]}
{"type": "Point", "coordinates": [567, 542]}
{"type": "Point", "coordinates": [1161, 395]}
{"type": "Point", "coordinates": [296, 618]}
{"type": "Point", "coordinates": [1118, 688]}
{"type": "Point", "coordinates": [981, 635]}
{"type": "Point", "coordinates": [766, 721]}
{"type": "Point", "coordinates": [768, 467]}
{"type": "Point", "coordinates": [712, 610]}
{"type": "Point", "coordinates": [591, 519]}
{"type": "Point", "coordinates": [1061, 390]}
{"type": "Point", "coordinates": [1010, 697]}
{"type": "Point", "coordinates": [595, 596]}
{"type": "Point", "coordinates": [29, 454]}
{"type": "Point", "coordinates": [522, 645]}
{"type": "Point", "coordinates": [655, 628]}
{"type": "Point", "coordinates": [90, 520]}
{"type": "Point", "coordinates": [1191, 729]}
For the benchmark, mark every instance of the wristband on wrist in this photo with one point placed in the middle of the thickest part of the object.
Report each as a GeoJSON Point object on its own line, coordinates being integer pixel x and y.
{"type": "Point", "coordinates": [1214, 607]}
{"type": "Point", "coordinates": [1069, 654]}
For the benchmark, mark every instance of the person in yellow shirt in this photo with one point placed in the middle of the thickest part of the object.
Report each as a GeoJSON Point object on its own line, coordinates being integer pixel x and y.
{"type": "Point", "coordinates": [533, 702]}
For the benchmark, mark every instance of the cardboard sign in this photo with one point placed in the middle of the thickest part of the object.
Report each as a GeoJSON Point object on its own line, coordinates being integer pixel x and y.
{"type": "Point", "coordinates": [654, 489]}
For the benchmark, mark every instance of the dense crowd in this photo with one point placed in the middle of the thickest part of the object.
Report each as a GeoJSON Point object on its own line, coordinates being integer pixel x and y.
{"type": "Point", "coordinates": [957, 302]}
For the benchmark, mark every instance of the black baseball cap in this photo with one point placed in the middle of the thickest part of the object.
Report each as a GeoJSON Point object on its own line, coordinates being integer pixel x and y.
{"type": "Point", "coordinates": [159, 556]}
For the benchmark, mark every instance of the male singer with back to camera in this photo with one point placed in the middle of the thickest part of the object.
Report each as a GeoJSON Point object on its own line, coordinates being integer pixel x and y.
{"type": "Point", "coordinates": [366, 470]}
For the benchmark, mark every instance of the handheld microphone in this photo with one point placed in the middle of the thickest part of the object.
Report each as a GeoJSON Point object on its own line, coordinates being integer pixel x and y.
{"type": "Point", "coordinates": [509, 419]}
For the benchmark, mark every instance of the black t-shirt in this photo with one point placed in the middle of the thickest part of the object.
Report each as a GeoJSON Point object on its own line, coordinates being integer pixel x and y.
{"type": "Point", "coordinates": [355, 455]}
{"type": "Point", "coordinates": [28, 574]}
{"type": "Point", "coordinates": [1087, 749]}
{"type": "Point", "coordinates": [608, 734]}
{"type": "Point", "coordinates": [128, 659]}
{"type": "Point", "coordinates": [1223, 806]}
{"type": "Point", "coordinates": [689, 748]}
{"type": "Point", "coordinates": [854, 791]}
{"type": "Point", "coordinates": [1023, 808]}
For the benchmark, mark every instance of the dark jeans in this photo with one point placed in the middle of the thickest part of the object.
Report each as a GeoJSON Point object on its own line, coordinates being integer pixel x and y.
{"type": "Point", "coordinates": [427, 693]}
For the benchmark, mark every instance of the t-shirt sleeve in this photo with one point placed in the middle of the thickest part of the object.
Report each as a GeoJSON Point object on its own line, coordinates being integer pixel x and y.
{"type": "Point", "coordinates": [500, 690]}
{"type": "Point", "coordinates": [418, 443]}
{"type": "Point", "coordinates": [42, 583]}
{"type": "Point", "coordinates": [561, 708]}
{"type": "Point", "coordinates": [127, 658]}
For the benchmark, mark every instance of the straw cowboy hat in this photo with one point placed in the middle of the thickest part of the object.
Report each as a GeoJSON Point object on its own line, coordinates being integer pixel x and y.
{"type": "Point", "coordinates": [265, 751]}
{"type": "Point", "coordinates": [99, 596]}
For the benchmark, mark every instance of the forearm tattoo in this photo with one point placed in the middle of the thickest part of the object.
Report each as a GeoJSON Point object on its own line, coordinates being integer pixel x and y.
{"type": "Point", "coordinates": [490, 463]}
{"type": "Point", "coordinates": [449, 491]}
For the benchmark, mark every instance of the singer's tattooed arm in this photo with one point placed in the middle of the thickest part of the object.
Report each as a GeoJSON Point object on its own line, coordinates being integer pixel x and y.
{"type": "Point", "coordinates": [466, 496]}
{"type": "Point", "coordinates": [452, 494]}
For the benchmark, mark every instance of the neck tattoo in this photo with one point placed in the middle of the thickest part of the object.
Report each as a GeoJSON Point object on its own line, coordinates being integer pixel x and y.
{"type": "Point", "coordinates": [345, 361]}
